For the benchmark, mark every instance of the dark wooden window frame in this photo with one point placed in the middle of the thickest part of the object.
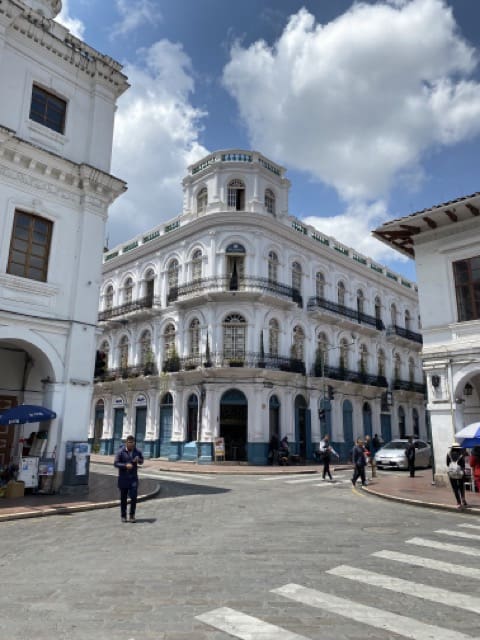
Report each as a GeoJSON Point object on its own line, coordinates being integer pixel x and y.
{"type": "Point", "coordinates": [30, 246]}
{"type": "Point", "coordinates": [467, 288]}
{"type": "Point", "coordinates": [48, 109]}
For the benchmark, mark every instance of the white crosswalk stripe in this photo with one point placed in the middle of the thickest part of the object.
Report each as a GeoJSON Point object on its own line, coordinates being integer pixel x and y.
{"type": "Point", "coordinates": [458, 534]}
{"type": "Point", "coordinates": [444, 546]}
{"type": "Point", "coordinates": [372, 616]}
{"type": "Point", "coordinates": [246, 627]}
{"type": "Point", "coordinates": [289, 476]}
{"type": "Point", "coordinates": [407, 587]}
{"type": "Point", "coordinates": [428, 563]}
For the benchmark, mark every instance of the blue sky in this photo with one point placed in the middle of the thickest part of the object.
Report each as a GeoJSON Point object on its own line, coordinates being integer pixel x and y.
{"type": "Point", "coordinates": [373, 107]}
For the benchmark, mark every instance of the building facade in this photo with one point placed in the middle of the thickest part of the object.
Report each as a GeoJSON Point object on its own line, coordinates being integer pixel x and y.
{"type": "Point", "coordinates": [236, 320]}
{"type": "Point", "coordinates": [445, 242]}
{"type": "Point", "coordinates": [56, 126]}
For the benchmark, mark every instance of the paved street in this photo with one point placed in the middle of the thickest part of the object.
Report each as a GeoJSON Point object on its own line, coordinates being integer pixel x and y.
{"type": "Point", "coordinates": [270, 558]}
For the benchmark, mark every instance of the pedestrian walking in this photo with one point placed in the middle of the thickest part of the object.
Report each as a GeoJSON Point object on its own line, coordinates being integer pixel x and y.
{"type": "Point", "coordinates": [327, 451]}
{"type": "Point", "coordinates": [284, 451]}
{"type": "Point", "coordinates": [359, 460]}
{"type": "Point", "coordinates": [456, 473]}
{"type": "Point", "coordinates": [410, 453]}
{"type": "Point", "coordinates": [273, 447]}
{"type": "Point", "coordinates": [127, 461]}
{"type": "Point", "coordinates": [474, 462]}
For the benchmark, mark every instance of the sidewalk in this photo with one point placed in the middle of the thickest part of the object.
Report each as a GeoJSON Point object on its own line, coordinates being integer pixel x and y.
{"type": "Point", "coordinates": [103, 490]}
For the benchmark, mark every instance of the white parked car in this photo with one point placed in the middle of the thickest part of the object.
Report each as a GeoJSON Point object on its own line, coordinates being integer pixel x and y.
{"type": "Point", "coordinates": [392, 455]}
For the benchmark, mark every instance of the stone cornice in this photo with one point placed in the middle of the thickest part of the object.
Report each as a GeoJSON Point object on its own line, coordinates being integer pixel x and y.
{"type": "Point", "coordinates": [57, 40]}
{"type": "Point", "coordinates": [23, 162]}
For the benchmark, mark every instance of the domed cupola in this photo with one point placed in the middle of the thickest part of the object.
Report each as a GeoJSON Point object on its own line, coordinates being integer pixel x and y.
{"type": "Point", "coordinates": [47, 8]}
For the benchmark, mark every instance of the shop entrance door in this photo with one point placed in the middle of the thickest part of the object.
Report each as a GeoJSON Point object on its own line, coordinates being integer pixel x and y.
{"type": "Point", "coordinates": [302, 429]}
{"type": "Point", "coordinates": [118, 416]}
{"type": "Point", "coordinates": [233, 425]}
{"type": "Point", "coordinates": [166, 425]}
{"type": "Point", "coordinates": [6, 431]}
{"type": "Point", "coordinates": [140, 426]}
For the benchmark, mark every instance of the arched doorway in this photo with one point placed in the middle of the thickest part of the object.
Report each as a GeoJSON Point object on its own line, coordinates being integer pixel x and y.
{"type": "Point", "coordinates": [367, 419]}
{"type": "Point", "coordinates": [192, 418]}
{"type": "Point", "coordinates": [166, 424]}
{"type": "Point", "coordinates": [274, 417]}
{"type": "Point", "coordinates": [303, 430]}
{"type": "Point", "coordinates": [416, 423]}
{"type": "Point", "coordinates": [140, 425]}
{"type": "Point", "coordinates": [234, 424]}
{"type": "Point", "coordinates": [401, 422]}
{"type": "Point", "coordinates": [98, 426]}
{"type": "Point", "coordinates": [347, 411]}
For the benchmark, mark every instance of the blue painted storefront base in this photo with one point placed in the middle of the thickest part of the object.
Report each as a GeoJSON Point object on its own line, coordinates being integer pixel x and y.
{"type": "Point", "coordinates": [257, 453]}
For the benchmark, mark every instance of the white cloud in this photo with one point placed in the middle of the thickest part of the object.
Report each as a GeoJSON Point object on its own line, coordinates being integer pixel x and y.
{"type": "Point", "coordinates": [135, 14]}
{"type": "Point", "coordinates": [74, 25]}
{"type": "Point", "coordinates": [155, 138]}
{"type": "Point", "coordinates": [357, 102]}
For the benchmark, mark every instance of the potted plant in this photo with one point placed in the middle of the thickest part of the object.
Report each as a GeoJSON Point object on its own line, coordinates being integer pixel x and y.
{"type": "Point", "coordinates": [148, 365]}
{"type": "Point", "coordinates": [172, 363]}
{"type": "Point", "coordinates": [236, 362]}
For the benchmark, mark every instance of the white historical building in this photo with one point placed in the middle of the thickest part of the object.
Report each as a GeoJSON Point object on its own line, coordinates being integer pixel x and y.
{"type": "Point", "coordinates": [445, 242]}
{"type": "Point", "coordinates": [57, 109]}
{"type": "Point", "coordinates": [235, 320]}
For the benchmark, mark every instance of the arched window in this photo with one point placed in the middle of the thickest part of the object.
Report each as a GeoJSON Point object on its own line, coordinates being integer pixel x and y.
{"type": "Point", "coordinates": [234, 336]}
{"type": "Point", "coordinates": [202, 200]}
{"type": "Point", "coordinates": [172, 279]}
{"type": "Point", "coordinates": [236, 195]}
{"type": "Point", "coordinates": [109, 297]}
{"type": "Point", "coordinates": [341, 293]}
{"type": "Point", "coordinates": [194, 331]}
{"type": "Point", "coordinates": [273, 337]}
{"type": "Point", "coordinates": [197, 264]}
{"type": "Point", "coordinates": [416, 423]}
{"type": "Point", "coordinates": [344, 354]}
{"type": "Point", "coordinates": [297, 276]}
{"type": "Point", "coordinates": [360, 301]}
{"type": "Point", "coordinates": [273, 266]}
{"type": "Point", "coordinates": [407, 320]}
{"type": "Point", "coordinates": [145, 347]}
{"type": "Point", "coordinates": [105, 349]}
{"type": "Point", "coordinates": [378, 309]}
{"type": "Point", "coordinates": [322, 349]}
{"type": "Point", "coordinates": [298, 345]}
{"type": "Point", "coordinates": [270, 201]}
{"type": "Point", "coordinates": [123, 346]}
{"type": "Point", "coordinates": [397, 367]}
{"type": "Point", "coordinates": [320, 285]}
{"type": "Point", "coordinates": [381, 363]}
{"type": "Point", "coordinates": [411, 370]}
{"type": "Point", "coordinates": [149, 287]}
{"type": "Point", "coordinates": [363, 358]}
{"type": "Point", "coordinates": [128, 291]}
{"type": "Point", "coordinates": [393, 314]}
{"type": "Point", "coordinates": [169, 340]}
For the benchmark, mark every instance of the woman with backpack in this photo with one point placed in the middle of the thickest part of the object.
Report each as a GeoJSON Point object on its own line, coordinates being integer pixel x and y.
{"type": "Point", "coordinates": [456, 473]}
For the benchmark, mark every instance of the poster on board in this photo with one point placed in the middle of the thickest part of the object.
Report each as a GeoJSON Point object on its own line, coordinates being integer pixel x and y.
{"type": "Point", "coordinates": [219, 448]}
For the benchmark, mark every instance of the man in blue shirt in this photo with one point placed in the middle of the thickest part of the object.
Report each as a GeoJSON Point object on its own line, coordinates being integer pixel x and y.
{"type": "Point", "coordinates": [127, 460]}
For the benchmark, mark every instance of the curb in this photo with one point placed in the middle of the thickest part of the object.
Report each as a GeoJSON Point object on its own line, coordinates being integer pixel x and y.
{"type": "Point", "coordinates": [419, 503]}
{"type": "Point", "coordinates": [61, 510]}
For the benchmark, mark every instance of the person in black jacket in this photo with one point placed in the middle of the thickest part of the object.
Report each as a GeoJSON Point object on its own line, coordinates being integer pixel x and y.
{"type": "Point", "coordinates": [359, 460]}
{"type": "Point", "coordinates": [456, 473]}
{"type": "Point", "coordinates": [410, 453]}
{"type": "Point", "coordinates": [127, 460]}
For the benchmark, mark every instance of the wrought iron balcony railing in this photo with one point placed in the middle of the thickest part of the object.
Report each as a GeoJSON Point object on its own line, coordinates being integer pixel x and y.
{"type": "Point", "coordinates": [234, 283]}
{"type": "Point", "coordinates": [147, 369]}
{"type": "Point", "coordinates": [347, 312]}
{"type": "Point", "coordinates": [407, 385]}
{"type": "Point", "coordinates": [339, 373]}
{"type": "Point", "coordinates": [128, 307]}
{"type": "Point", "coordinates": [404, 333]}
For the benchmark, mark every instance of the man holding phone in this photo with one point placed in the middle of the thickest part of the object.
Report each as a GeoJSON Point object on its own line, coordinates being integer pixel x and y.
{"type": "Point", "coordinates": [127, 460]}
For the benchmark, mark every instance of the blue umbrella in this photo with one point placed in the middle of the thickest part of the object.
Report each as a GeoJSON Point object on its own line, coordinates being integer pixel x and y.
{"type": "Point", "coordinates": [469, 436]}
{"type": "Point", "coordinates": [26, 413]}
